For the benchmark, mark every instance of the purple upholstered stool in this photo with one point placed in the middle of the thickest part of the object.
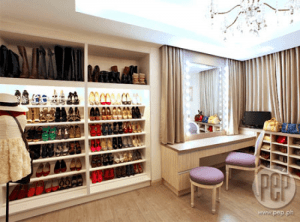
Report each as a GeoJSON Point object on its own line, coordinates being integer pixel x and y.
{"type": "Point", "coordinates": [207, 178]}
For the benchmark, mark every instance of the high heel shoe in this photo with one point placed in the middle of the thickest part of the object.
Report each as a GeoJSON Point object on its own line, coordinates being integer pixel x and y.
{"type": "Point", "coordinates": [98, 146]}
{"type": "Point", "coordinates": [125, 129]}
{"type": "Point", "coordinates": [128, 99]}
{"type": "Point", "coordinates": [93, 149]}
{"type": "Point", "coordinates": [46, 169]}
{"type": "Point", "coordinates": [125, 116]}
{"type": "Point", "coordinates": [104, 129]}
{"type": "Point", "coordinates": [94, 177]}
{"type": "Point", "coordinates": [102, 99]}
{"type": "Point", "coordinates": [92, 98]}
{"type": "Point", "coordinates": [124, 100]}
{"type": "Point", "coordinates": [97, 98]}
{"type": "Point", "coordinates": [115, 143]}
{"type": "Point", "coordinates": [138, 113]}
{"type": "Point", "coordinates": [138, 128]}
{"type": "Point", "coordinates": [109, 130]}
{"type": "Point", "coordinates": [108, 113]}
{"type": "Point", "coordinates": [134, 141]}
{"type": "Point", "coordinates": [62, 99]}
{"type": "Point", "coordinates": [133, 113]}
{"type": "Point", "coordinates": [99, 174]}
{"type": "Point", "coordinates": [98, 132]}
{"type": "Point", "coordinates": [118, 101]}
{"type": "Point", "coordinates": [120, 144]}
{"type": "Point", "coordinates": [107, 99]}
{"type": "Point", "coordinates": [78, 165]}
{"type": "Point", "coordinates": [113, 99]}
{"type": "Point", "coordinates": [115, 128]}
{"type": "Point", "coordinates": [109, 144]}
{"type": "Point", "coordinates": [39, 171]}
{"type": "Point", "coordinates": [103, 111]}
{"type": "Point", "coordinates": [129, 115]}
{"type": "Point", "coordinates": [76, 100]}
{"type": "Point", "coordinates": [103, 144]}
{"type": "Point", "coordinates": [114, 113]}
{"type": "Point", "coordinates": [93, 131]}
{"type": "Point", "coordinates": [134, 127]}
{"type": "Point", "coordinates": [97, 114]}
{"type": "Point", "coordinates": [129, 127]}
{"type": "Point", "coordinates": [92, 114]}
{"type": "Point", "coordinates": [73, 165]}
{"type": "Point", "coordinates": [119, 113]}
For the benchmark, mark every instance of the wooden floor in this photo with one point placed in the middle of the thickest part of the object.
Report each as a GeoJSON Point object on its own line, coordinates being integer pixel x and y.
{"type": "Point", "coordinates": [158, 203]}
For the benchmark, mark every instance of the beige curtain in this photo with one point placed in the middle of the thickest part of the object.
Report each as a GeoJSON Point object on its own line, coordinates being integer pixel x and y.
{"type": "Point", "coordinates": [273, 84]}
{"type": "Point", "coordinates": [209, 91]}
{"type": "Point", "coordinates": [172, 121]}
{"type": "Point", "coordinates": [236, 94]}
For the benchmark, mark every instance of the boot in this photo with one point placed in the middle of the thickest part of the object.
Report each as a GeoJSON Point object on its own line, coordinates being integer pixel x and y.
{"type": "Point", "coordinates": [117, 77]}
{"type": "Point", "coordinates": [3, 61]}
{"type": "Point", "coordinates": [96, 73]}
{"type": "Point", "coordinates": [42, 63]}
{"type": "Point", "coordinates": [35, 64]}
{"type": "Point", "coordinates": [13, 65]}
{"type": "Point", "coordinates": [79, 65]}
{"type": "Point", "coordinates": [105, 76]}
{"type": "Point", "coordinates": [111, 77]}
{"type": "Point", "coordinates": [131, 71]}
{"type": "Point", "coordinates": [59, 59]}
{"type": "Point", "coordinates": [90, 70]}
{"type": "Point", "coordinates": [101, 76]}
{"type": "Point", "coordinates": [68, 64]}
{"type": "Point", "coordinates": [50, 66]}
{"type": "Point", "coordinates": [25, 66]}
{"type": "Point", "coordinates": [75, 65]}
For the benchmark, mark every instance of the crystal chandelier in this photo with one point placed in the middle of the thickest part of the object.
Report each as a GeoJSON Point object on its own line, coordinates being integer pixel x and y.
{"type": "Point", "coordinates": [252, 16]}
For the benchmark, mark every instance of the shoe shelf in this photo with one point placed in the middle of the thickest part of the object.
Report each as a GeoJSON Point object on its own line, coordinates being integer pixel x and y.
{"type": "Point", "coordinates": [116, 150]}
{"type": "Point", "coordinates": [55, 158]}
{"type": "Point", "coordinates": [58, 175]}
{"type": "Point", "coordinates": [56, 141]}
{"type": "Point", "coordinates": [117, 86]}
{"type": "Point", "coordinates": [117, 183]}
{"type": "Point", "coordinates": [294, 156]}
{"type": "Point", "coordinates": [265, 150]}
{"type": "Point", "coordinates": [280, 144]}
{"type": "Point", "coordinates": [279, 162]}
{"type": "Point", "coordinates": [116, 165]}
{"type": "Point", "coordinates": [266, 141]}
{"type": "Point", "coordinates": [279, 153]}
{"type": "Point", "coordinates": [45, 106]}
{"type": "Point", "coordinates": [294, 166]}
{"type": "Point", "coordinates": [95, 106]}
{"type": "Point", "coordinates": [294, 146]}
{"type": "Point", "coordinates": [115, 121]}
{"type": "Point", "coordinates": [55, 123]}
{"type": "Point", "coordinates": [116, 135]}
{"type": "Point", "coordinates": [264, 158]}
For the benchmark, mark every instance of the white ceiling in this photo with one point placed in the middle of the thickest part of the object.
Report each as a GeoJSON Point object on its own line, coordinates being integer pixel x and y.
{"type": "Point", "coordinates": [164, 22]}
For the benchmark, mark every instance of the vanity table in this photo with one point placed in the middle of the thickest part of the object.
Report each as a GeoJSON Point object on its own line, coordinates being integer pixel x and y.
{"type": "Point", "coordinates": [179, 159]}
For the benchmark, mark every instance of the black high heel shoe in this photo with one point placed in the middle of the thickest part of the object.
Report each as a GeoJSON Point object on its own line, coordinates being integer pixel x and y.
{"type": "Point", "coordinates": [115, 143]}
{"type": "Point", "coordinates": [115, 130]}
{"type": "Point", "coordinates": [70, 99]}
{"type": "Point", "coordinates": [111, 77]}
{"type": "Point", "coordinates": [105, 76]}
{"type": "Point", "coordinates": [134, 116]}
{"type": "Point", "coordinates": [101, 79]}
{"type": "Point", "coordinates": [76, 101]}
{"type": "Point", "coordinates": [97, 114]}
{"type": "Point", "coordinates": [44, 150]}
{"type": "Point", "coordinates": [138, 113]}
{"type": "Point", "coordinates": [120, 127]}
{"type": "Point", "coordinates": [92, 114]}
{"type": "Point", "coordinates": [63, 114]}
{"type": "Point", "coordinates": [109, 130]}
{"type": "Point", "coordinates": [57, 114]}
{"type": "Point", "coordinates": [120, 144]}
{"type": "Point", "coordinates": [70, 115]}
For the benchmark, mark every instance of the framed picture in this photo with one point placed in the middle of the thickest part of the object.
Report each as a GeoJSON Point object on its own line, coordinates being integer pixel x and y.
{"type": "Point", "coordinates": [191, 93]}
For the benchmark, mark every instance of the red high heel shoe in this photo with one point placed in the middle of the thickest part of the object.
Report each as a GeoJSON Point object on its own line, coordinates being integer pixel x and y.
{"type": "Point", "coordinates": [129, 127]}
{"type": "Point", "coordinates": [32, 188]}
{"type": "Point", "coordinates": [94, 177]}
{"type": "Point", "coordinates": [106, 174]}
{"type": "Point", "coordinates": [93, 149]}
{"type": "Point", "coordinates": [102, 99]}
{"type": "Point", "coordinates": [93, 131]}
{"type": "Point", "coordinates": [112, 173]}
{"type": "Point", "coordinates": [98, 148]}
{"type": "Point", "coordinates": [46, 169]}
{"type": "Point", "coordinates": [98, 129]}
{"type": "Point", "coordinates": [99, 173]}
{"type": "Point", "coordinates": [14, 194]}
{"type": "Point", "coordinates": [23, 192]}
{"type": "Point", "coordinates": [40, 188]}
{"type": "Point", "coordinates": [39, 171]}
{"type": "Point", "coordinates": [125, 128]}
{"type": "Point", "coordinates": [135, 167]}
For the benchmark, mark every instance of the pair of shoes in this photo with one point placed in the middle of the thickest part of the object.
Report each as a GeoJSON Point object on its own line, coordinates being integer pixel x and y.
{"type": "Point", "coordinates": [97, 161]}
{"type": "Point", "coordinates": [108, 159]}
{"type": "Point", "coordinates": [96, 145]}
{"type": "Point", "coordinates": [75, 132]}
{"type": "Point", "coordinates": [94, 114]}
{"type": "Point", "coordinates": [130, 170]}
{"type": "Point", "coordinates": [47, 150]}
{"type": "Point", "coordinates": [77, 181]}
{"type": "Point", "coordinates": [137, 100]}
{"type": "Point", "coordinates": [51, 186]}
{"type": "Point", "coordinates": [127, 127]}
{"type": "Point", "coordinates": [106, 113]}
{"type": "Point", "coordinates": [137, 168]}
{"type": "Point", "coordinates": [55, 100]}
{"type": "Point", "coordinates": [117, 143]}
{"type": "Point", "coordinates": [136, 114]}
{"type": "Point", "coordinates": [60, 114]}
{"type": "Point", "coordinates": [96, 176]}
{"type": "Point", "coordinates": [75, 165]}
{"type": "Point", "coordinates": [136, 140]}
{"type": "Point", "coordinates": [74, 148]}
{"type": "Point", "coordinates": [109, 174]}
{"type": "Point", "coordinates": [96, 129]}
{"type": "Point", "coordinates": [33, 115]}
{"type": "Point", "coordinates": [43, 170]}
{"type": "Point", "coordinates": [36, 151]}
{"type": "Point", "coordinates": [38, 99]}
{"type": "Point", "coordinates": [117, 128]}
{"type": "Point", "coordinates": [126, 99]}
{"type": "Point", "coordinates": [60, 166]}
{"type": "Point", "coordinates": [65, 183]}
{"type": "Point", "coordinates": [139, 78]}
{"type": "Point", "coordinates": [73, 99]}
{"type": "Point", "coordinates": [73, 115]}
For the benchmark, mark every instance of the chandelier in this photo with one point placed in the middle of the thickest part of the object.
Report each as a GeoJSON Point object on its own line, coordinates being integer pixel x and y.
{"type": "Point", "coordinates": [252, 16]}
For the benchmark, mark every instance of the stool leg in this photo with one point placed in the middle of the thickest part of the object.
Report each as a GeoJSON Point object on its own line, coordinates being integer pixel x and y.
{"type": "Point", "coordinates": [214, 200]}
{"type": "Point", "coordinates": [256, 182]}
{"type": "Point", "coordinates": [227, 174]}
{"type": "Point", "coordinates": [230, 173]}
{"type": "Point", "coordinates": [192, 195]}
{"type": "Point", "coordinates": [199, 191]}
{"type": "Point", "coordinates": [219, 195]}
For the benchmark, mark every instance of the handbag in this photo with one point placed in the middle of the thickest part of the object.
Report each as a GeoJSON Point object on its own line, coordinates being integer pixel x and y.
{"type": "Point", "coordinates": [214, 119]}
{"type": "Point", "coordinates": [26, 179]}
{"type": "Point", "coordinates": [205, 119]}
{"type": "Point", "coordinates": [199, 116]}
{"type": "Point", "coordinates": [210, 129]}
{"type": "Point", "coordinates": [281, 139]}
{"type": "Point", "coordinates": [290, 128]}
{"type": "Point", "coordinates": [272, 125]}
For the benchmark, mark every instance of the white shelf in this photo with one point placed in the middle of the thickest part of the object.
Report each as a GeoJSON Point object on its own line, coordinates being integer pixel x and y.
{"type": "Point", "coordinates": [58, 175]}
{"type": "Point", "coordinates": [54, 106]}
{"type": "Point", "coordinates": [280, 144]}
{"type": "Point", "coordinates": [116, 150]}
{"type": "Point", "coordinates": [41, 82]}
{"type": "Point", "coordinates": [119, 183]}
{"type": "Point", "coordinates": [95, 106]}
{"type": "Point", "coordinates": [55, 123]}
{"type": "Point", "coordinates": [116, 135]}
{"type": "Point", "coordinates": [115, 121]}
{"type": "Point", "coordinates": [295, 146]}
{"type": "Point", "coordinates": [264, 159]}
{"type": "Point", "coordinates": [294, 156]}
{"type": "Point", "coordinates": [55, 158]}
{"type": "Point", "coordinates": [279, 153]}
{"type": "Point", "coordinates": [56, 141]}
{"type": "Point", "coordinates": [117, 86]}
{"type": "Point", "coordinates": [294, 166]}
{"type": "Point", "coordinates": [116, 165]}
{"type": "Point", "coordinates": [265, 150]}
{"type": "Point", "coordinates": [266, 141]}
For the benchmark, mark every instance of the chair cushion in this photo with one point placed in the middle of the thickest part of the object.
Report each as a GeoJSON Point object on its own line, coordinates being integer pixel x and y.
{"type": "Point", "coordinates": [241, 159]}
{"type": "Point", "coordinates": [206, 175]}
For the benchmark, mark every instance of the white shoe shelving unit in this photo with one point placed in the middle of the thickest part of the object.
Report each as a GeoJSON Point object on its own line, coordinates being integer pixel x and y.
{"type": "Point", "coordinates": [104, 57]}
